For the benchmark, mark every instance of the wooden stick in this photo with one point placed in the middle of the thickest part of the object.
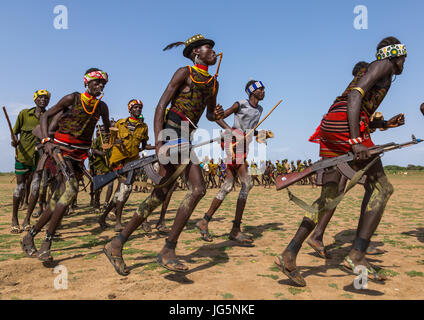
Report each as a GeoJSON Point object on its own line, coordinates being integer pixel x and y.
{"type": "Point", "coordinates": [101, 140]}
{"type": "Point", "coordinates": [260, 122]}
{"type": "Point", "coordinates": [10, 126]}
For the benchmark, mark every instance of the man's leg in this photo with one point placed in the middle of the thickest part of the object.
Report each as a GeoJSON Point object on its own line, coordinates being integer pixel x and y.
{"type": "Point", "coordinates": [378, 192]}
{"type": "Point", "coordinates": [287, 261]}
{"type": "Point", "coordinates": [161, 223]}
{"type": "Point", "coordinates": [109, 192]}
{"type": "Point", "coordinates": [226, 187]}
{"type": "Point", "coordinates": [109, 207]}
{"type": "Point", "coordinates": [113, 249]}
{"type": "Point", "coordinates": [316, 238]}
{"type": "Point", "coordinates": [42, 199]}
{"type": "Point", "coordinates": [17, 198]}
{"type": "Point", "coordinates": [71, 189]}
{"type": "Point", "coordinates": [27, 242]}
{"type": "Point", "coordinates": [246, 186]}
{"type": "Point", "coordinates": [167, 257]}
{"type": "Point", "coordinates": [122, 197]}
{"type": "Point", "coordinates": [34, 193]}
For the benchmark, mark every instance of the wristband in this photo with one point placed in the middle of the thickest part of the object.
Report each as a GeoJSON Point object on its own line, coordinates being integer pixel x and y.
{"type": "Point", "coordinates": [43, 141]}
{"type": "Point", "coordinates": [355, 141]}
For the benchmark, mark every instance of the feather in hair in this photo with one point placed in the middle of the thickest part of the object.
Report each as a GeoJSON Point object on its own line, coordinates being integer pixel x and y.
{"type": "Point", "coordinates": [172, 45]}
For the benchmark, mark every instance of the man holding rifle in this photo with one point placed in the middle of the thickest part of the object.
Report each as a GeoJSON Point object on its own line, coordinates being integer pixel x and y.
{"type": "Point", "coordinates": [190, 91]}
{"type": "Point", "coordinates": [26, 156]}
{"type": "Point", "coordinates": [346, 128]}
{"type": "Point", "coordinates": [133, 137]}
{"type": "Point", "coordinates": [69, 149]}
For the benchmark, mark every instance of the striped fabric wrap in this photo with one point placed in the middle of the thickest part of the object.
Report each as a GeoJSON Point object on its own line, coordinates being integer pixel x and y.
{"type": "Point", "coordinates": [333, 133]}
{"type": "Point", "coordinates": [72, 147]}
{"type": "Point", "coordinates": [254, 86]}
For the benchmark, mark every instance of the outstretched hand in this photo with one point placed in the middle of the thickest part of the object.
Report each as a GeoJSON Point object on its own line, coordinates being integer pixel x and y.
{"type": "Point", "coordinates": [396, 121]}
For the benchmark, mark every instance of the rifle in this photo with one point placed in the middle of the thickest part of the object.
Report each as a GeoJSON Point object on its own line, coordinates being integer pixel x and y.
{"type": "Point", "coordinates": [101, 180]}
{"type": "Point", "coordinates": [10, 127]}
{"type": "Point", "coordinates": [58, 158]}
{"type": "Point", "coordinates": [341, 163]}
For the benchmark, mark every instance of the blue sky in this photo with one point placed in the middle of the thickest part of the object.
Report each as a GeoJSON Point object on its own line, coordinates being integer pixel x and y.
{"type": "Point", "coordinates": [302, 51]}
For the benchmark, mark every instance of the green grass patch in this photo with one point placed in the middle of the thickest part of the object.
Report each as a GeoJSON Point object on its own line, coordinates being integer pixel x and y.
{"type": "Point", "coordinates": [131, 251]}
{"type": "Point", "coordinates": [347, 295]}
{"type": "Point", "coordinates": [388, 272]}
{"type": "Point", "coordinates": [295, 291]}
{"type": "Point", "coordinates": [63, 244]}
{"type": "Point", "coordinates": [272, 276]}
{"type": "Point", "coordinates": [9, 256]}
{"type": "Point", "coordinates": [151, 266]}
{"type": "Point", "coordinates": [91, 256]}
{"type": "Point", "coordinates": [414, 273]}
{"type": "Point", "coordinates": [227, 296]}
{"type": "Point", "coordinates": [333, 285]}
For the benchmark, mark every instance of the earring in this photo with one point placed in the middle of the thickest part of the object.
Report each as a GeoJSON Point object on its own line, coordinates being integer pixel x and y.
{"type": "Point", "coordinates": [196, 59]}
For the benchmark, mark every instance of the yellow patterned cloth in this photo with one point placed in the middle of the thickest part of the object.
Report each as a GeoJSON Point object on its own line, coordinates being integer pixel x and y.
{"type": "Point", "coordinates": [129, 150]}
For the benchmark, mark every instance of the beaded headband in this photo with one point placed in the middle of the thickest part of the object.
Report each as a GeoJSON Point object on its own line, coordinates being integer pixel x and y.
{"type": "Point", "coordinates": [392, 51]}
{"type": "Point", "coordinates": [41, 92]}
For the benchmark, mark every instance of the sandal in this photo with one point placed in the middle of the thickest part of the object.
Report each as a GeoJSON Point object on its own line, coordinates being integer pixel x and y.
{"type": "Point", "coordinates": [172, 265]}
{"type": "Point", "coordinates": [117, 261]}
{"type": "Point", "coordinates": [372, 274]}
{"type": "Point", "coordinates": [322, 252]}
{"type": "Point", "coordinates": [36, 214]}
{"type": "Point", "coordinates": [15, 230]}
{"type": "Point", "coordinates": [204, 234]}
{"type": "Point", "coordinates": [45, 256]}
{"type": "Point", "coordinates": [294, 275]}
{"type": "Point", "coordinates": [146, 227]}
{"type": "Point", "coordinates": [373, 251]}
{"type": "Point", "coordinates": [162, 228]}
{"type": "Point", "coordinates": [243, 240]}
{"type": "Point", "coordinates": [29, 248]}
{"type": "Point", "coordinates": [103, 224]}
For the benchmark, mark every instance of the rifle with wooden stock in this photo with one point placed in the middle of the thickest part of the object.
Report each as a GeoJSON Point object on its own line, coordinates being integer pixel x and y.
{"type": "Point", "coordinates": [341, 163]}
{"type": "Point", "coordinates": [147, 162]}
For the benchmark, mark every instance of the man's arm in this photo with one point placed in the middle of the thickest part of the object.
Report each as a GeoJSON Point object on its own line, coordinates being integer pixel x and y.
{"type": "Point", "coordinates": [17, 128]}
{"type": "Point", "coordinates": [214, 112]}
{"type": "Point", "coordinates": [105, 116]}
{"type": "Point", "coordinates": [227, 113]}
{"type": "Point", "coordinates": [376, 72]}
{"type": "Point", "coordinates": [176, 82]}
{"type": "Point", "coordinates": [63, 103]}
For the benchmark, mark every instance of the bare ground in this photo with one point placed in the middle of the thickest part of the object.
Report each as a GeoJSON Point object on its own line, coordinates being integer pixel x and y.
{"type": "Point", "coordinates": [221, 269]}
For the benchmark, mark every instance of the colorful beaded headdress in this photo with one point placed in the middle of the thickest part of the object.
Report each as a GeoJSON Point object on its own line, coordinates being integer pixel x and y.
{"type": "Point", "coordinates": [392, 51]}
{"type": "Point", "coordinates": [95, 75]}
{"type": "Point", "coordinates": [41, 92]}
{"type": "Point", "coordinates": [133, 103]}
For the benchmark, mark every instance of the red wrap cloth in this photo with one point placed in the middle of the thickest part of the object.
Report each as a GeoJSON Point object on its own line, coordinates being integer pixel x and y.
{"type": "Point", "coordinates": [72, 147]}
{"type": "Point", "coordinates": [235, 156]}
{"type": "Point", "coordinates": [333, 132]}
